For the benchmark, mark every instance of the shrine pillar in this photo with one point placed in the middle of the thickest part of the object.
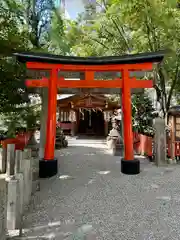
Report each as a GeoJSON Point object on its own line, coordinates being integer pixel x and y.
{"type": "Point", "coordinates": [106, 122]}
{"type": "Point", "coordinates": [44, 113]}
{"type": "Point", "coordinates": [73, 129]}
{"type": "Point", "coordinates": [129, 165]}
{"type": "Point", "coordinates": [73, 120]}
{"type": "Point", "coordinates": [48, 166]}
{"type": "Point", "coordinates": [106, 128]}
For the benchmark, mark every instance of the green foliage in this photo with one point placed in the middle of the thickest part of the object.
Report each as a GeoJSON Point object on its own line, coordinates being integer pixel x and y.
{"type": "Point", "coordinates": [21, 28]}
{"type": "Point", "coordinates": [32, 117]}
{"type": "Point", "coordinates": [26, 117]}
{"type": "Point", "coordinates": [56, 40]}
{"type": "Point", "coordinates": [9, 122]}
{"type": "Point", "coordinates": [13, 37]}
{"type": "Point", "coordinates": [120, 27]}
{"type": "Point", "coordinates": [133, 26]}
{"type": "Point", "coordinates": [11, 85]}
{"type": "Point", "coordinates": [142, 110]}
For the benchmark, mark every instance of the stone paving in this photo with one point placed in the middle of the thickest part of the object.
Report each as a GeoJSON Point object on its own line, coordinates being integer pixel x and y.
{"type": "Point", "coordinates": [91, 199]}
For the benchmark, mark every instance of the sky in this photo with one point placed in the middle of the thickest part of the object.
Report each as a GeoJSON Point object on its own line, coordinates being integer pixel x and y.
{"type": "Point", "coordinates": [74, 7]}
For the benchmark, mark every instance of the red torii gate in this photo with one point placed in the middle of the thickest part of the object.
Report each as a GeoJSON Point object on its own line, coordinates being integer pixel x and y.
{"type": "Point", "coordinates": [124, 64]}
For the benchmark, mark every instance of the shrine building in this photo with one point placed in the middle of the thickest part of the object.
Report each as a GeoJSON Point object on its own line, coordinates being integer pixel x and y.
{"type": "Point", "coordinates": [85, 114]}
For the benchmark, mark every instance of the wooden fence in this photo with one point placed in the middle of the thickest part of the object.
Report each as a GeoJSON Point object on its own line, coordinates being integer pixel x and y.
{"type": "Point", "coordinates": [20, 140]}
{"type": "Point", "coordinates": [143, 145]}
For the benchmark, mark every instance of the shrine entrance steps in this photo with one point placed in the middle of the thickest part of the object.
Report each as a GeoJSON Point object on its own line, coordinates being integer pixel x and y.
{"type": "Point", "coordinates": [90, 137]}
{"type": "Point", "coordinates": [88, 141]}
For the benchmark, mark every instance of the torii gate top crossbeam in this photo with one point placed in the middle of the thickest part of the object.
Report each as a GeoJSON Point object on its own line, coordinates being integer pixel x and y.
{"type": "Point", "coordinates": [90, 65]}
{"type": "Point", "coordinates": [68, 63]}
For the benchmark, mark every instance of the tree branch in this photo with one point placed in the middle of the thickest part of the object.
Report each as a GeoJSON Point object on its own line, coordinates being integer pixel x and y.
{"type": "Point", "coordinates": [163, 89]}
{"type": "Point", "coordinates": [102, 44]}
{"type": "Point", "coordinates": [104, 3]}
{"type": "Point", "coordinates": [121, 34]}
{"type": "Point", "coordinates": [148, 35]}
{"type": "Point", "coordinates": [153, 29]}
{"type": "Point", "coordinates": [119, 30]}
{"type": "Point", "coordinates": [112, 36]}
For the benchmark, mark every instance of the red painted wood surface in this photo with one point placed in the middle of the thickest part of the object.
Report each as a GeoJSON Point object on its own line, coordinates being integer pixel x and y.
{"type": "Point", "coordinates": [95, 68]}
{"type": "Point", "coordinates": [51, 118]}
{"type": "Point", "coordinates": [116, 83]}
{"type": "Point", "coordinates": [177, 148]}
{"type": "Point", "coordinates": [20, 141]}
{"type": "Point", "coordinates": [127, 116]}
{"type": "Point", "coordinates": [143, 145]}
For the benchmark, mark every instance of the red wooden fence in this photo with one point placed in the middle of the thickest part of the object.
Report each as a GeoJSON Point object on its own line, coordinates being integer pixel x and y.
{"type": "Point", "coordinates": [143, 145]}
{"type": "Point", "coordinates": [20, 141]}
{"type": "Point", "coordinates": [176, 149]}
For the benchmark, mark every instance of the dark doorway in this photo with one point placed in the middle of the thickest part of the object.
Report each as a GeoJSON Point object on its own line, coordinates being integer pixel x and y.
{"type": "Point", "coordinates": [91, 123]}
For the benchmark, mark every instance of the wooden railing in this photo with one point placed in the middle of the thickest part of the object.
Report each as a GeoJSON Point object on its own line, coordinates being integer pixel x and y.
{"type": "Point", "coordinates": [144, 145]}
{"type": "Point", "coordinates": [176, 148]}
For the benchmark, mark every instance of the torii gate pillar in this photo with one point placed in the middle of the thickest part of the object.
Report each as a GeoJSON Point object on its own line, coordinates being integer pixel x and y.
{"type": "Point", "coordinates": [129, 165]}
{"type": "Point", "coordinates": [48, 165]}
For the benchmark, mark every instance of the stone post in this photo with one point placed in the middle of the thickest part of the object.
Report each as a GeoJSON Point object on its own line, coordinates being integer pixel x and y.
{"type": "Point", "coordinates": [19, 176]}
{"type": "Point", "coordinates": [27, 153]}
{"type": "Point", "coordinates": [10, 159]}
{"type": "Point", "coordinates": [3, 207]}
{"type": "Point", "coordinates": [160, 142]}
{"type": "Point", "coordinates": [13, 189]}
{"type": "Point", "coordinates": [19, 185]}
{"type": "Point", "coordinates": [26, 169]}
{"type": "Point", "coordinates": [12, 202]}
{"type": "Point", "coordinates": [18, 159]}
{"type": "Point", "coordinates": [3, 153]}
{"type": "Point", "coordinates": [44, 112]}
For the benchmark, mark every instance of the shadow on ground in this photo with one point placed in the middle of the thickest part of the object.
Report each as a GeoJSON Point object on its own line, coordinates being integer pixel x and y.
{"type": "Point", "coordinates": [91, 199]}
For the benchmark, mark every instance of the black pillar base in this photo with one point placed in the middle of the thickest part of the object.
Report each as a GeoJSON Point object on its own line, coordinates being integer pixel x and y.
{"type": "Point", "coordinates": [130, 167]}
{"type": "Point", "coordinates": [48, 168]}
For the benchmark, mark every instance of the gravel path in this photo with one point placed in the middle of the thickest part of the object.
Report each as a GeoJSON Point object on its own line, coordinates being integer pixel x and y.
{"type": "Point", "coordinates": [91, 199]}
